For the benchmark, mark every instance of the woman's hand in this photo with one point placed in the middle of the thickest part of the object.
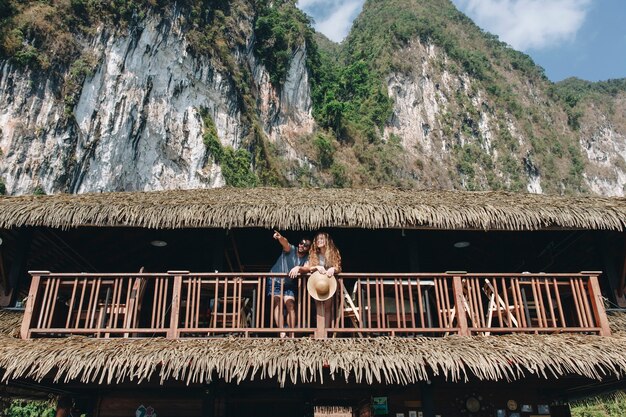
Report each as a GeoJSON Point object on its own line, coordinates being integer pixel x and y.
{"type": "Point", "coordinates": [330, 271]}
{"type": "Point", "coordinates": [320, 269]}
{"type": "Point", "coordinates": [295, 271]}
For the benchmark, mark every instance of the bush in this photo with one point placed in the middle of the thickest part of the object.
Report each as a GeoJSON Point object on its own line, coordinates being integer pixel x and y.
{"type": "Point", "coordinates": [604, 406]}
{"type": "Point", "coordinates": [338, 172]}
{"type": "Point", "coordinates": [235, 164]}
{"type": "Point", "coordinates": [325, 151]}
{"type": "Point", "coordinates": [3, 188]}
{"type": "Point", "coordinates": [22, 408]}
{"type": "Point", "coordinates": [28, 56]}
{"type": "Point", "coordinates": [279, 29]}
{"type": "Point", "coordinates": [236, 168]}
{"type": "Point", "coordinates": [210, 138]}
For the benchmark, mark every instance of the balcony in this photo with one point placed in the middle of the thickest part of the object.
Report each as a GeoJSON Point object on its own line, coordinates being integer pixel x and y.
{"type": "Point", "coordinates": [180, 304]}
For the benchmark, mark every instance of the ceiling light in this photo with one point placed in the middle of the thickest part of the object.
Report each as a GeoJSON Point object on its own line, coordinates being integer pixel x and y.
{"type": "Point", "coordinates": [158, 243]}
{"type": "Point", "coordinates": [462, 244]}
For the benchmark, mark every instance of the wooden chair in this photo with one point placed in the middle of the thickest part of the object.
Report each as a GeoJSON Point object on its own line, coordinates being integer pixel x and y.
{"type": "Point", "coordinates": [350, 310]}
{"type": "Point", "coordinates": [229, 312]}
{"type": "Point", "coordinates": [120, 313]}
{"type": "Point", "coordinates": [450, 315]}
{"type": "Point", "coordinates": [497, 305]}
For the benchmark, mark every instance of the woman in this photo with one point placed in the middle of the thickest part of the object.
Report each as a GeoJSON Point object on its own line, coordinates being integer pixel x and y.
{"type": "Point", "coordinates": [325, 258]}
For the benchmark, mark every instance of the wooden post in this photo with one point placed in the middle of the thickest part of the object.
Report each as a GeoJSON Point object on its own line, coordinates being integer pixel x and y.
{"type": "Point", "coordinates": [459, 304]}
{"type": "Point", "coordinates": [597, 303]}
{"type": "Point", "coordinates": [320, 331]}
{"type": "Point", "coordinates": [30, 302]}
{"type": "Point", "coordinates": [172, 332]}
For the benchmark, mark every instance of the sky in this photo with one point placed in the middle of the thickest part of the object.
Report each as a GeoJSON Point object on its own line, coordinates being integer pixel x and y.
{"type": "Point", "coordinates": [568, 38]}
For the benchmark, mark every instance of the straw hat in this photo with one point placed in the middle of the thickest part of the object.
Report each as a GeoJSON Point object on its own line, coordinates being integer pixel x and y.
{"type": "Point", "coordinates": [321, 287]}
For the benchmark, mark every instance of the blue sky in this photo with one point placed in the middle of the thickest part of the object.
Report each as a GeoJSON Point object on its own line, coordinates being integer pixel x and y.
{"type": "Point", "coordinates": [582, 38]}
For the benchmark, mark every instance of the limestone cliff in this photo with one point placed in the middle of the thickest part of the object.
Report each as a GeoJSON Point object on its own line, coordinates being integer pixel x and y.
{"type": "Point", "coordinates": [211, 93]}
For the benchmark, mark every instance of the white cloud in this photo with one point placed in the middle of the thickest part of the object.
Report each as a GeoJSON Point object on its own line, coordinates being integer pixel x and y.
{"type": "Point", "coordinates": [528, 24]}
{"type": "Point", "coordinates": [332, 17]}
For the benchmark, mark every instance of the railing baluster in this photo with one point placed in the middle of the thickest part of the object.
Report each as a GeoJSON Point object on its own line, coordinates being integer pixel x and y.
{"type": "Point", "coordinates": [380, 302]}
{"type": "Point", "coordinates": [237, 321]}
{"type": "Point", "coordinates": [281, 303]}
{"type": "Point", "coordinates": [519, 304]}
{"type": "Point", "coordinates": [80, 305]}
{"type": "Point", "coordinates": [342, 291]}
{"type": "Point", "coordinates": [197, 293]}
{"type": "Point", "coordinates": [301, 305]}
{"type": "Point", "coordinates": [577, 303]}
{"type": "Point", "coordinates": [481, 309]}
{"type": "Point", "coordinates": [43, 313]}
{"type": "Point", "coordinates": [583, 296]}
{"type": "Point", "coordinates": [369, 304]}
{"type": "Point", "coordinates": [216, 293]}
{"type": "Point", "coordinates": [188, 302]}
{"type": "Point", "coordinates": [112, 308]}
{"type": "Point", "coordinates": [165, 297]}
{"type": "Point", "coordinates": [360, 307]}
{"type": "Point", "coordinates": [496, 305]}
{"type": "Point", "coordinates": [71, 304]}
{"type": "Point", "coordinates": [443, 322]}
{"type": "Point", "coordinates": [90, 307]}
{"type": "Point", "coordinates": [537, 302]}
{"type": "Point", "coordinates": [411, 304]}
{"type": "Point", "coordinates": [153, 318]}
{"type": "Point", "coordinates": [505, 295]}
{"type": "Point", "coordinates": [550, 305]}
{"type": "Point", "coordinates": [397, 301]}
{"type": "Point", "coordinates": [557, 295]}
{"type": "Point", "coordinates": [471, 302]}
{"type": "Point", "coordinates": [225, 302]}
{"type": "Point", "coordinates": [55, 288]}
{"type": "Point", "coordinates": [446, 299]}
{"type": "Point", "coordinates": [420, 305]}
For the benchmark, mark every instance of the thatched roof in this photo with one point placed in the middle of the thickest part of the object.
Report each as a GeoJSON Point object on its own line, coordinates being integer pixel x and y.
{"type": "Point", "coordinates": [386, 360]}
{"type": "Point", "coordinates": [306, 209]}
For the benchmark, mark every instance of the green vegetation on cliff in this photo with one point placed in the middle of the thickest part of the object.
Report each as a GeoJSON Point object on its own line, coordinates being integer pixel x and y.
{"type": "Point", "coordinates": [351, 100]}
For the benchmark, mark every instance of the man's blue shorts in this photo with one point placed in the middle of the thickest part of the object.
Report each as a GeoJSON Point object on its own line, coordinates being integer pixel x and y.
{"type": "Point", "coordinates": [289, 287]}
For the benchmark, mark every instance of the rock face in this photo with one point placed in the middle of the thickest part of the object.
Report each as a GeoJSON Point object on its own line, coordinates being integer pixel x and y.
{"type": "Point", "coordinates": [138, 120]}
{"type": "Point", "coordinates": [439, 116]}
{"type": "Point", "coordinates": [137, 123]}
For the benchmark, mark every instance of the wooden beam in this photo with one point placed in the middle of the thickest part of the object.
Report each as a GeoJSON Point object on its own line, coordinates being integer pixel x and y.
{"type": "Point", "coordinates": [459, 303]}
{"type": "Point", "coordinates": [172, 332]}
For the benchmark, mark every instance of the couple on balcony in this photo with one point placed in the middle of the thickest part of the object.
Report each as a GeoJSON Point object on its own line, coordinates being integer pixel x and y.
{"type": "Point", "coordinates": [319, 255]}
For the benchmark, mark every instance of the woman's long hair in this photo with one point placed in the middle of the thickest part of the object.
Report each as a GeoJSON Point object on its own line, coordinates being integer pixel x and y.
{"type": "Point", "coordinates": [332, 256]}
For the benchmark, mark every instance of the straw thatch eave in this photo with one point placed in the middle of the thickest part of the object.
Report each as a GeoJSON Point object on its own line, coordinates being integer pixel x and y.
{"type": "Point", "coordinates": [385, 360]}
{"type": "Point", "coordinates": [306, 209]}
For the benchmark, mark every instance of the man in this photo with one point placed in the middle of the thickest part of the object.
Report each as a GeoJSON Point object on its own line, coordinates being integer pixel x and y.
{"type": "Point", "coordinates": [291, 258]}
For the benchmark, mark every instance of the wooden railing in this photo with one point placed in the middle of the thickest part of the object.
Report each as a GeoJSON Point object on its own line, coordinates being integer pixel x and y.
{"type": "Point", "coordinates": [179, 304]}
